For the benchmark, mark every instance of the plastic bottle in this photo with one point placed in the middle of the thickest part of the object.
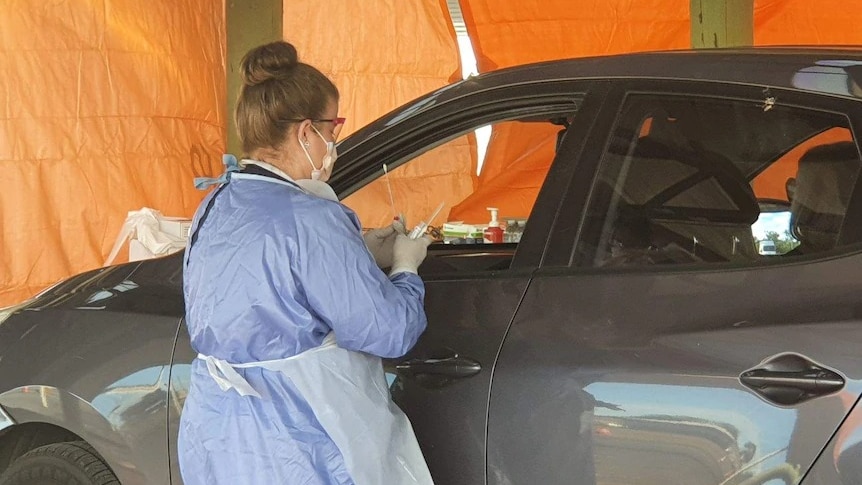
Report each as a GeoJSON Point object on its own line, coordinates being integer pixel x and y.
{"type": "Point", "coordinates": [520, 232]}
{"type": "Point", "coordinates": [493, 234]}
{"type": "Point", "coordinates": [509, 234]}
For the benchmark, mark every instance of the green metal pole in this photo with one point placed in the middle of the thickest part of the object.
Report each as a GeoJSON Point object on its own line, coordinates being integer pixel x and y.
{"type": "Point", "coordinates": [722, 23]}
{"type": "Point", "coordinates": [249, 23]}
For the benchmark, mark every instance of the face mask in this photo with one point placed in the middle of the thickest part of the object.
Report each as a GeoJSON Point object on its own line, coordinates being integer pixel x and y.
{"type": "Point", "coordinates": [324, 171]}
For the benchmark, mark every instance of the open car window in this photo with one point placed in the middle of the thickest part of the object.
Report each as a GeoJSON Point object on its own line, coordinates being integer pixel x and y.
{"type": "Point", "coordinates": [500, 165]}
{"type": "Point", "coordinates": [689, 179]}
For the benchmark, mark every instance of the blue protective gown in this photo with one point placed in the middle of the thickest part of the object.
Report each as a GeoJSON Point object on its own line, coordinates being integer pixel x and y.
{"type": "Point", "coordinates": [272, 271]}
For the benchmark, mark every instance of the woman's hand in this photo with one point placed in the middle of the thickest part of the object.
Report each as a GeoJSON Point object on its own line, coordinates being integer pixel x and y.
{"type": "Point", "coordinates": [381, 242]}
{"type": "Point", "coordinates": [408, 254]}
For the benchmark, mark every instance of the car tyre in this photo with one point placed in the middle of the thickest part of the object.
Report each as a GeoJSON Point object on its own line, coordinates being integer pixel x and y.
{"type": "Point", "coordinates": [72, 463]}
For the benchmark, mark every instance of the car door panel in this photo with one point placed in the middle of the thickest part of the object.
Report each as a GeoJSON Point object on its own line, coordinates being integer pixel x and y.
{"type": "Point", "coordinates": [634, 378]}
{"type": "Point", "coordinates": [466, 318]}
{"type": "Point", "coordinates": [840, 463]}
{"type": "Point", "coordinates": [633, 375]}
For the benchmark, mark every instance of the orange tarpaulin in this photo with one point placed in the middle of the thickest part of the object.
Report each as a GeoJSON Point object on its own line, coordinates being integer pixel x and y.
{"type": "Point", "coordinates": [382, 54]}
{"type": "Point", "coordinates": [105, 107]}
{"type": "Point", "coordinates": [445, 174]}
{"type": "Point", "coordinates": [111, 106]}
{"type": "Point", "coordinates": [772, 182]}
{"type": "Point", "coordinates": [799, 22]}
{"type": "Point", "coordinates": [508, 33]}
{"type": "Point", "coordinates": [511, 32]}
{"type": "Point", "coordinates": [509, 184]}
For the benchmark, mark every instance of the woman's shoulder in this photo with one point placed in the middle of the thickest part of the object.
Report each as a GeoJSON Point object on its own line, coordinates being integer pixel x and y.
{"type": "Point", "coordinates": [322, 214]}
{"type": "Point", "coordinates": [292, 206]}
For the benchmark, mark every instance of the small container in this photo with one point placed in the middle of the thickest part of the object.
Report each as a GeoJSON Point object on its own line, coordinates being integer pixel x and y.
{"type": "Point", "coordinates": [511, 229]}
{"type": "Point", "coordinates": [460, 233]}
{"type": "Point", "coordinates": [522, 224]}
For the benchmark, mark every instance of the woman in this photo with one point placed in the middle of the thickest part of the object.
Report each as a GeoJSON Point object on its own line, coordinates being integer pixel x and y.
{"type": "Point", "coordinates": [288, 308]}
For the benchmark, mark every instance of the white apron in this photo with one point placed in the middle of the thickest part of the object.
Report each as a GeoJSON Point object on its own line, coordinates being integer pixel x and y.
{"type": "Point", "coordinates": [347, 392]}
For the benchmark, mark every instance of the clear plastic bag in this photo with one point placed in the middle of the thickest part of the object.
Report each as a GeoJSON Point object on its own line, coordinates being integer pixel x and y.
{"type": "Point", "coordinates": [150, 235]}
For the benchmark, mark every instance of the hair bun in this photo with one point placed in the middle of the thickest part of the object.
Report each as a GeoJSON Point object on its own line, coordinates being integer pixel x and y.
{"type": "Point", "coordinates": [269, 61]}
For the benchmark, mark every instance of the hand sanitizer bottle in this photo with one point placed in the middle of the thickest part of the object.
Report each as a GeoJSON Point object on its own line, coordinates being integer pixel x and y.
{"type": "Point", "coordinates": [493, 233]}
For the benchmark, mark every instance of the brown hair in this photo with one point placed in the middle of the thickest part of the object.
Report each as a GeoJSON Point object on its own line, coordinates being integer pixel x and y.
{"type": "Point", "coordinates": [276, 87]}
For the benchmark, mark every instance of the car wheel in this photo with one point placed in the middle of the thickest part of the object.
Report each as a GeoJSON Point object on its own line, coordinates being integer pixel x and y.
{"type": "Point", "coordinates": [73, 463]}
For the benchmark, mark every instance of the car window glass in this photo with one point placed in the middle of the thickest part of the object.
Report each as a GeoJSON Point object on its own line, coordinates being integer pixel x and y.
{"type": "Point", "coordinates": [511, 159]}
{"type": "Point", "coordinates": [772, 229]}
{"type": "Point", "coordinates": [713, 180]}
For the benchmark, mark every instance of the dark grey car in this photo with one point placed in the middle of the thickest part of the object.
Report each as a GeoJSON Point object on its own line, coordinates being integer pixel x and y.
{"type": "Point", "coordinates": [634, 334]}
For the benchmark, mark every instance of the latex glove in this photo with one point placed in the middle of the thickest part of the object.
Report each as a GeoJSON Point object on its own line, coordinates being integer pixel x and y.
{"type": "Point", "coordinates": [400, 224]}
{"type": "Point", "coordinates": [380, 243]}
{"type": "Point", "coordinates": [408, 254]}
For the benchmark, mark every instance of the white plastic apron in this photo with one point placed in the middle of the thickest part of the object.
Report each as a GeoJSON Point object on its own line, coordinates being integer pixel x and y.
{"type": "Point", "coordinates": [347, 392]}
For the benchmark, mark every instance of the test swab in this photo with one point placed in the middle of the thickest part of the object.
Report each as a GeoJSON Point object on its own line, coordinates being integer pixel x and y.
{"type": "Point", "coordinates": [389, 186]}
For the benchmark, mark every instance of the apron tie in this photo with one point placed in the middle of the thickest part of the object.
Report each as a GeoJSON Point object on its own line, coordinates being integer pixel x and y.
{"type": "Point", "coordinates": [227, 377]}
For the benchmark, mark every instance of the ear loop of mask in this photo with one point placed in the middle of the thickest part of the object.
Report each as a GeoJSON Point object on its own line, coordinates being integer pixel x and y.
{"type": "Point", "coordinates": [315, 172]}
{"type": "Point", "coordinates": [329, 158]}
{"type": "Point", "coordinates": [330, 146]}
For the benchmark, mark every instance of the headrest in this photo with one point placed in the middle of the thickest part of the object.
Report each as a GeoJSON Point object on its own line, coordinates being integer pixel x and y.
{"type": "Point", "coordinates": [821, 192]}
{"type": "Point", "coordinates": [825, 178]}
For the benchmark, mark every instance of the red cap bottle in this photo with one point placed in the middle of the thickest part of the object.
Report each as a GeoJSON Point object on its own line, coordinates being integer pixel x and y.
{"type": "Point", "coordinates": [493, 233]}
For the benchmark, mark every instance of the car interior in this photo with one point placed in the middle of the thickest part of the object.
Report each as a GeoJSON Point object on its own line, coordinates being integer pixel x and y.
{"type": "Point", "coordinates": [679, 206]}
{"type": "Point", "coordinates": [678, 189]}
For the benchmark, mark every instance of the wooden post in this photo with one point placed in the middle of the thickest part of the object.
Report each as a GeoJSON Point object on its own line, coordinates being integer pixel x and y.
{"type": "Point", "coordinates": [249, 23]}
{"type": "Point", "coordinates": [722, 23]}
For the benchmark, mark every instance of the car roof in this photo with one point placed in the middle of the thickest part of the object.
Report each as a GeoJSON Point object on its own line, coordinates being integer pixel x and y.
{"type": "Point", "coordinates": [820, 69]}
{"type": "Point", "coordinates": [777, 67]}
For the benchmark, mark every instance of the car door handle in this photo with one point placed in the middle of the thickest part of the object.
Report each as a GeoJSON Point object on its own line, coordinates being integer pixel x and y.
{"type": "Point", "coordinates": [825, 381]}
{"type": "Point", "coordinates": [454, 367]}
{"type": "Point", "coordinates": [791, 379]}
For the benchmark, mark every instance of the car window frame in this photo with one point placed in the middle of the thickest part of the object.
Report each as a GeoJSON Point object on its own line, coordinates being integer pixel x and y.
{"type": "Point", "coordinates": [579, 197]}
{"type": "Point", "coordinates": [445, 121]}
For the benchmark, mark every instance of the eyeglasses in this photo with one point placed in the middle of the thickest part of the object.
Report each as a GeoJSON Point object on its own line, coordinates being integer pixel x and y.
{"type": "Point", "coordinates": [335, 121]}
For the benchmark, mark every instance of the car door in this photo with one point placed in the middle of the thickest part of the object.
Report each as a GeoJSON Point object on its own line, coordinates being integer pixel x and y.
{"type": "Point", "coordinates": [472, 290]}
{"type": "Point", "coordinates": [664, 349]}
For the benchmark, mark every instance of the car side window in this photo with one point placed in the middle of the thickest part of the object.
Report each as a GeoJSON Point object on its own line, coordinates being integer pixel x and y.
{"type": "Point", "coordinates": [510, 161]}
{"type": "Point", "coordinates": [694, 180]}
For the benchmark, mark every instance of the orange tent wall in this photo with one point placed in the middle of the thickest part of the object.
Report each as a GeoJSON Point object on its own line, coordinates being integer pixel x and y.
{"type": "Point", "coordinates": [772, 182]}
{"type": "Point", "coordinates": [106, 107]}
{"type": "Point", "coordinates": [511, 32]}
{"type": "Point", "coordinates": [798, 22]}
{"type": "Point", "coordinates": [517, 160]}
{"type": "Point", "coordinates": [381, 54]}
{"type": "Point", "coordinates": [111, 106]}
